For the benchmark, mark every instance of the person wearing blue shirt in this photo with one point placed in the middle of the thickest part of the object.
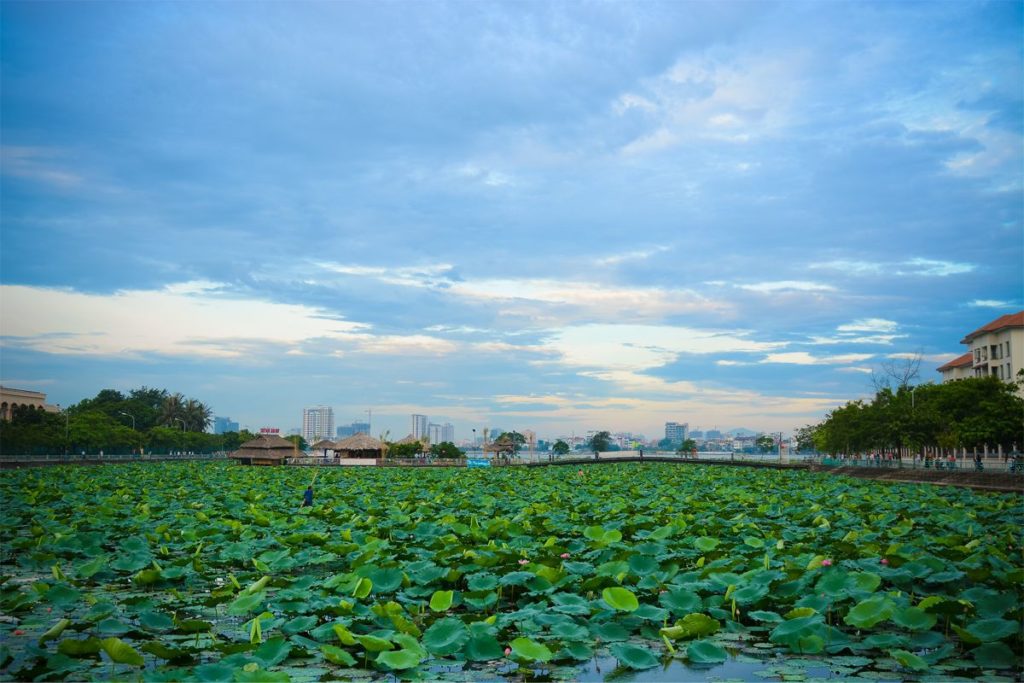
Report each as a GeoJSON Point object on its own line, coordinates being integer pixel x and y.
{"type": "Point", "coordinates": [307, 500]}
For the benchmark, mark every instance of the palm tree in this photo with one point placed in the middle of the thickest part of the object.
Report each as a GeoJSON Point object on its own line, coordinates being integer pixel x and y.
{"type": "Point", "coordinates": [173, 408]}
{"type": "Point", "coordinates": [197, 415]}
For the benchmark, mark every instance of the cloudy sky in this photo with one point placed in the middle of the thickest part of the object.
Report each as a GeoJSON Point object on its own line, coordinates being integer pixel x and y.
{"type": "Point", "coordinates": [550, 216]}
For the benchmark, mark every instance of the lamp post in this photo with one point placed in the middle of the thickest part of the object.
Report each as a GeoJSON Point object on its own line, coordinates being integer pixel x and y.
{"type": "Point", "coordinates": [121, 412]}
{"type": "Point", "coordinates": [67, 427]}
{"type": "Point", "coordinates": [178, 419]}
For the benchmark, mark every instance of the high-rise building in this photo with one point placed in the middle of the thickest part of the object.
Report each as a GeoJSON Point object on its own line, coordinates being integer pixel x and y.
{"type": "Point", "coordinates": [317, 423]}
{"type": "Point", "coordinates": [360, 427]}
{"type": "Point", "coordinates": [448, 432]}
{"type": "Point", "coordinates": [434, 432]}
{"type": "Point", "coordinates": [419, 426]}
{"type": "Point", "coordinates": [676, 432]}
{"type": "Point", "coordinates": [222, 425]}
{"type": "Point", "coordinates": [344, 431]}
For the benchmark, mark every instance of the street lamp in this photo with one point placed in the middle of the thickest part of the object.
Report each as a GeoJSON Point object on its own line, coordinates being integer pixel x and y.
{"type": "Point", "coordinates": [178, 419]}
{"type": "Point", "coordinates": [121, 412]}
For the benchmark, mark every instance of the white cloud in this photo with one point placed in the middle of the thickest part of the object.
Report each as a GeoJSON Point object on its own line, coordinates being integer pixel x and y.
{"type": "Point", "coordinates": [189, 318]}
{"type": "Point", "coordinates": [37, 164]}
{"type": "Point", "coordinates": [427, 275]}
{"type": "Point", "coordinates": [933, 268]}
{"type": "Point", "coordinates": [652, 142]}
{"type": "Point", "coordinates": [788, 285]}
{"type": "Point", "coordinates": [636, 255]}
{"type": "Point", "coordinates": [869, 325]}
{"type": "Point", "coordinates": [990, 303]}
{"type": "Point", "coordinates": [804, 358]}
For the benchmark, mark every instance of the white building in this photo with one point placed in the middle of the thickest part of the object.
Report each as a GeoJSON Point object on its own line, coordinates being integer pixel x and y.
{"type": "Point", "coordinates": [677, 432]}
{"type": "Point", "coordinates": [419, 426]}
{"type": "Point", "coordinates": [996, 349]}
{"type": "Point", "coordinates": [434, 432]}
{"type": "Point", "coordinates": [448, 432]}
{"type": "Point", "coordinates": [317, 424]}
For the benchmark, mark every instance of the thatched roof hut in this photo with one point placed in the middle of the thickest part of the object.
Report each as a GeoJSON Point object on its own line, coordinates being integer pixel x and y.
{"type": "Point", "coordinates": [410, 439]}
{"type": "Point", "coordinates": [322, 446]}
{"type": "Point", "coordinates": [266, 449]}
{"type": "Point", "coordinates": [502, 447]}
{"type": "Point", "coordinates": [359, 446]}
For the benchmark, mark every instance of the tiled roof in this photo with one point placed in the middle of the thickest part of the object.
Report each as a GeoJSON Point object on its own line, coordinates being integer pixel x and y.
{"type": "Point", "coordinates": [958, 362]}
{"type": "Point", "coordinates": [1008, 320]}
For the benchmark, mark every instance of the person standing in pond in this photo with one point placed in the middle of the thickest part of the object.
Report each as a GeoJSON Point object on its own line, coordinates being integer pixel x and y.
{"type": "Point", "coordinates": [307, 497]}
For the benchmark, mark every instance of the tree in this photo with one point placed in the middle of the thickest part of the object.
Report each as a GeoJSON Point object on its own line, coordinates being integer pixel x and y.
{"type": "Point", "coordinates": [197, 415]}
{"type": "Point", "coordinates": [405, 450]}
{"type": "Point", "coordinates": [765, 443]}
{"type": "Point", "coordinates": [517, 440]}
{"type": "Point", "coordinates": [172, 409]}
{"type": "Point", "coordinates": [687, 446]}
{"type": "Point", "coordinates": [298, 440]}
{"type": "Point", "coordinates": [805, 437]}
{"type": "Point", "coordinates": [601, 441]}
{"type": "Point", "coordinates": [666, 444]}
{"type": "Point", "coordinates": [446, 449]}
{"type": "Point", "coordinates": [560, 448]}
{"type": "Point", "coordinates": [899, 372]}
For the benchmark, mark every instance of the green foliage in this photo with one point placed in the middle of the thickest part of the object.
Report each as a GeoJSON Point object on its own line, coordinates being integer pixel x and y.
{"type": "Point", "coordinates": [405, 450]}
{"type": "Point", "coordinates": [687, 446]}
{"type": "Point", "coordinates": [448, 450]}
{"type": "Point", "coordinates": [765, 443]}
{"type": "Point", "coordinates": [601, 441]}
{"type": "Point", "coordinates": [167, 567]}
{"type": "Point", "coordinates": [560, 447]}
{"type": "Point", "coordinates": [967, 413]}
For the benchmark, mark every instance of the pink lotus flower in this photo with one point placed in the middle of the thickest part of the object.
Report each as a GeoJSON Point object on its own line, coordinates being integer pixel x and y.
{"type": "Point", "coordinates": [885, 561]}
{"type": "Point", "coordinates": [826, 563]}
{"type": "Point", "coordinates": [508, 651]}
{"type": "Point", "coordinates": [564, 556]}
{"type": "Point", "coordinates": [524, 562]}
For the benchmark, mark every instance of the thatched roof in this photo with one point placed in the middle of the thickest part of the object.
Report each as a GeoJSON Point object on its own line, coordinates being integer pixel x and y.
{"type": "Point", "coordinates": [265, 446]}
{"type": "Point", "coordinates": [409, 439]}
{"type": "Point", "coordinates": [323, 445]}
{"type": "Point", "coordinates": [359, 442]}
{"type": "Point", "coordinates": [503, 444]}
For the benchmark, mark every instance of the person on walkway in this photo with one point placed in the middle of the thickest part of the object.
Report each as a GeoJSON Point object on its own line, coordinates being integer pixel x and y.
{"type": "Point", "coordinates": [307, 497]}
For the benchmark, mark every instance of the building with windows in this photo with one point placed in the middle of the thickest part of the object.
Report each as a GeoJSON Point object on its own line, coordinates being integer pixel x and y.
{"type": "Point", "coordinates": [419, 426]}
{"type": "Point", "coordinates": [448, 432]}
{"type": "Point", "coordinates": [676, 432]}
{"type": "Point", "coordinates": [996, 349]}
{"type": "Point", "coordinates": [434, 432]}
{"type": "Point", "coordinates": [317, 423]}
{"type": "Point", "coordinates": [13, 400]}
{"type": "Point", "coordinates": [222, 425]}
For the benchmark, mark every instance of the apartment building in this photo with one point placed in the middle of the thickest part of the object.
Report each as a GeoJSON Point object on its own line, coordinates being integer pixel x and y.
{"type": "Point", "coordinates": [317, 423]}
{"type": "Point", "coordinates": [996, 349]}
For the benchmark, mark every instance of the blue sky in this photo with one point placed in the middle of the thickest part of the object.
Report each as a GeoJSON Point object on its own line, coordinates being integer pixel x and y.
{"type": "Point", "coordinates": [549, 216]}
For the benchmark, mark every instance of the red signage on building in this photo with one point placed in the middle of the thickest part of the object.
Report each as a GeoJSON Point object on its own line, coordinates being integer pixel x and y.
{"type": "Point", "coordinates": [269, 430]}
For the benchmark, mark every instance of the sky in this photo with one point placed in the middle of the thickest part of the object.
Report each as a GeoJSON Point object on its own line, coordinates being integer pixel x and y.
{"type": "Point", "coordinates": [557, 216]}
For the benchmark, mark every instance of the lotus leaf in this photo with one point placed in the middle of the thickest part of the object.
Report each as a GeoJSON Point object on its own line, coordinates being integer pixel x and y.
{"type": "Point", "coordinates": [620, 598]}
{"type": "Point", "coordinates": [530, 650]}
{"type": "Point", "coordinates": [633, 656]}
{"type": "Point", "coordinates": [445, 636]}
{"type": "Point", "coordinates": [705, 652]}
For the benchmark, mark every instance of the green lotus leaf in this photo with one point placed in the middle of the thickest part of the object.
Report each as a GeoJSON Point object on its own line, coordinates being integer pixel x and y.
{"type": "Point", "coordinates": [908, 660]}
{"type": "Point", "coordinates": [272, 652]}
{"type": "Point", "coordinates": [445, 636]}
{"type": "Point", "coordinates": [79, 648]}
{"type": "Point", "coordinates": [633, 656]}
{"type": "Point", "coordinates": [336, 655]}
{"type": "Point", "coordinates": [246, 604]}
{"type": "Point", "coordinates": [112, 627]}
{"type": "Point", "coordinates": [374, 644]}
{"type": "Point", "coordinates": [482, 582]}
{"type": "Point", "coordinates": [705, 652]}
{"type": "Point", "coordinates": [440, 601]}
{"type": "Point", "coordinates": [767, 617]}
{"type": "Point", "coordinates": [754, 542]}
{"type": "Point", "coordinates": [54, 631]}
{"type": "Point", "coordinates": [577, 651]}
{"type": "Point", "coordinates": [531, 651]}
{"type": "Point", "coordinates": [869, 612]}
{"type": "Point", "coordinates": [749, 594]}
{"type": "Point", "coordinates": [398, 659]}
{"type": "Point", "coordinates": [516, 578]}
{"type": "Point", "coordinates": [301, 624]}
{"type": "Point", "coordinates": [89, 569]}
{"type": "Point", "coordinates": [580, 568]}
{"type": "Point", "coordinates": [610, 632]}
{"type": "Point", "coordinates": [790, 632]}
{"type": "Point", "coordinates": [385, 580]}
{"type": "Point", "coordinates": [620, 598]}
{"type": "Point", "coordinates": [641, 565]}
{"type": "Point", "coordinates": [362, 588]}
{"type": "Point", "coordinates": [915, 619]}
{"type": "Point", "coordinates": [680, 601]}
{"type": "Point", "coordinates": [570, 631]}
{"type": "Point", "coordinates": [706, 543]}
{"type": "Point", "coordinates": [62, 595]}
{"type": "Point", "coordinates": [483, 648]}
{"type": "Point", "coordinates": [121, 652]}
{"type": "Point", "coordinates": [991, 630]}
{"type": "Point", "coordinates": [995, 656]}
{"type": "Point", "coordinates": [213, 673]}
{"type": "Point", "coordinates": [250, 675]}
{"type": "Point", "coordinates": [162, 651]}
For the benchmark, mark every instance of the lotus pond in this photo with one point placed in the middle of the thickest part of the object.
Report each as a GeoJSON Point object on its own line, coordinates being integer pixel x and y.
{"type": "Point", "coordinates": [212, 572]}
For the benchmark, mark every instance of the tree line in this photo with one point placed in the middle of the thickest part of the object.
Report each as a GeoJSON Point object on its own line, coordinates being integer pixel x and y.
{"type": "Point", "coordinates": [972, 414]}
{"type": "Point", "coordinates": [142, 420]}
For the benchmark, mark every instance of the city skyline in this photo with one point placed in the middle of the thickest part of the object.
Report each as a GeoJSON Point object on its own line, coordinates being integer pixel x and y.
{"type": "Point", "coordinates": [557, 217]}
